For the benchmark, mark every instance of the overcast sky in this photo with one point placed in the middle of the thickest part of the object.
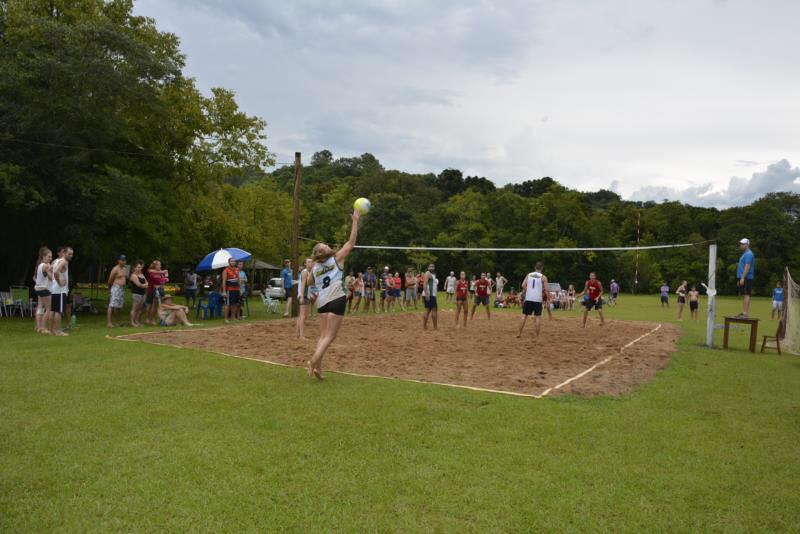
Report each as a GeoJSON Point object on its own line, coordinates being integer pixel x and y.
{"type": "Point", "coordinates": [694, 100]}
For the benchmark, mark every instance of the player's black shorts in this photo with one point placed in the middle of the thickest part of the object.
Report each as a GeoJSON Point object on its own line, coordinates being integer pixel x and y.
{"type": "Point", "coordinates": [681, 300]}
{"type": "Point", "coordinates": [747, 287]}
{"type": "Point", "coordinates": [530, 307]}
{"type": "Point", "coordinates": [59, 303]}
{"type": "Point", "coordinates": [664, 300]}
{"type": "Point", "coordinates": [693, 304]}
{"type": "Point", "coordinates": [43, 293]}
{"type": "Point", "coordinates": [336, 306]}
{"type": "Point", "coordinates": [233, 297]}
{"type": "Point", "coordinates": [482, 300]}
{"type": "Point", "coordinates": [596, 304]}
{"type": "Point", "coordinates": [430, 303]}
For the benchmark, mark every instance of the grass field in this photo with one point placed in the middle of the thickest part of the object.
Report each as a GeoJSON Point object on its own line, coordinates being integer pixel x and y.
{"type": "Point", "coordinates": [97, 434]}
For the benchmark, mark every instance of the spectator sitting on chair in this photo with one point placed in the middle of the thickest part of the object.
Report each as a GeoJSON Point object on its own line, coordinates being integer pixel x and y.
{"type": "Point", "coordinates": [170, 314]}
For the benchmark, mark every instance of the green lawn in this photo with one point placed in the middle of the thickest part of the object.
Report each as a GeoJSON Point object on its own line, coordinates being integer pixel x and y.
{"type": "Point", "coordinates": [97, 434]}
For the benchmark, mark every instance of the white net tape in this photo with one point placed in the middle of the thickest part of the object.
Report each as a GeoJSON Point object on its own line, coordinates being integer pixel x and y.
{"type": "Point", "coordinates": [791, 314]}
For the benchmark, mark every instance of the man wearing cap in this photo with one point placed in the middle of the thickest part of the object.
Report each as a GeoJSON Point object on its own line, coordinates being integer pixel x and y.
{"type": "Point", "coordinates": [116, 286]}
{"type": "Point", "coordinates": [745, 273]}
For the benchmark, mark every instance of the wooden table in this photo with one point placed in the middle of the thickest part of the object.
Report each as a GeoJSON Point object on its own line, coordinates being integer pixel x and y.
{"type": "Point", "coordinates": [753, 330]}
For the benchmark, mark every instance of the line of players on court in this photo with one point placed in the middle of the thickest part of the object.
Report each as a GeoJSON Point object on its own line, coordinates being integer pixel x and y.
{"type": "Point", "coordinates": [389, 290]}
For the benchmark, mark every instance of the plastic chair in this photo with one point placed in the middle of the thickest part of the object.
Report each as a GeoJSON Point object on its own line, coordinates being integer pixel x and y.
{"type": "Point", "coordinates": [7, 305]}
{"type": "Point", "coordinates": [269, 303]}
{"type": "Point", "coordinates": [211, 308]}
{"type": "Point", "coordinates": [20, 296]}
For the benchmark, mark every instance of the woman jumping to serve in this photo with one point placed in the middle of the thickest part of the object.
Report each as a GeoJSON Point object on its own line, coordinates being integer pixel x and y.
{"type": "Point", "coordinates": [331, 301]}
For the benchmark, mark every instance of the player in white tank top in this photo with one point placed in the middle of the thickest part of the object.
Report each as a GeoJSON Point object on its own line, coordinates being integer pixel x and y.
{"type": "Point", "coordinates": [328, 278]}
{"type": "Point", "coordinates": [42, 287]}
{"type": "Point", "coordinates": [331, 301]}
{"type": "Point", "coordinates": [59, 287]}
{"type": "Point", "coordinates": [534, 298]}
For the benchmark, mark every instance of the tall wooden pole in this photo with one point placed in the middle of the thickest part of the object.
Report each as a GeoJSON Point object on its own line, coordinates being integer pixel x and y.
{"type": "Point", "coordinates": [298, 166]}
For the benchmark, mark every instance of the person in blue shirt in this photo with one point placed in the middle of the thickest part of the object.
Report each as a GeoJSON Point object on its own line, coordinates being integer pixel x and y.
{"type": "Point", "coordinates": [745, 273]}
{"type": "Point", "coordinates": [288, 280]}
{"type": "Point", "coordinates": [777, 300]}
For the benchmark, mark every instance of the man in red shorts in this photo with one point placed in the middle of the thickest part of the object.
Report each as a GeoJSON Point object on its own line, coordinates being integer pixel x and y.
{"type": "Point", "coordinates": [592, 298]}
{"type": "Point", "coordinates": [481, 296]}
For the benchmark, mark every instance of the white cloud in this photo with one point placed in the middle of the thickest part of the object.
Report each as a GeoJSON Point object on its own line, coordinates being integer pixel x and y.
{"type": "Point", "coordinates": [779, 176]}
{"type": "Point", "coordinates": [651, 94]}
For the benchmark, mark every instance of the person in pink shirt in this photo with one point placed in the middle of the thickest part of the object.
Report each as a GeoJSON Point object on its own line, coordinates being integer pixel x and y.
{"type": "Point", "coordinates": [156, 278]}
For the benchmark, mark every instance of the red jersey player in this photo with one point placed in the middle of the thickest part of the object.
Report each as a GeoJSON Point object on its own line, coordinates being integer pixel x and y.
{"type": "Point", "coordinates": [482, 289]}
{"type": "Point", "coordinates": [462, 297]}
{"type": "Point", "coordinates": [592, 298]}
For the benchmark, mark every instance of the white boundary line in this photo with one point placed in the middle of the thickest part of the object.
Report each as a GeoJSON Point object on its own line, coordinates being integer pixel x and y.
{"type": "Point", "coordinates": [598, 364]}
{"type": "Point", "coordinates": [125, 337]}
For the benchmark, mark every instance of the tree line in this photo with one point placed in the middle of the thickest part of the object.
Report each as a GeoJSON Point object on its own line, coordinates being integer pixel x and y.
{"type": "Point", "coordinates": [106, 146]}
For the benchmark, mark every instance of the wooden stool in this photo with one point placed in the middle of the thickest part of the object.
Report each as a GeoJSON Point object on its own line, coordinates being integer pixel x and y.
{"type": "Point", "coordinates": [753, 330]}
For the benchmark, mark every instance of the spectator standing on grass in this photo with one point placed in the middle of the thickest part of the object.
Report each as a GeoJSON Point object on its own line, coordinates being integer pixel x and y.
{"type": "Point", "coordinates": [694, 302]}
{"type": "Point", "coordinates": [156, 278]}
{"type": "Point", "coordinates": [116, 286]}
{"type": "Point", "coordinates": [429, 289]}
{"type": "Point", "coordinates": [482, 289]}
{"type": "Point", "coordinates": [745, 272]}
{"type": "Point", "coordinates": [592, 296]}
{"type": "Point", "coordinates": [287, 277]}
{"type": "Point", "coordinates": [777, 300]}
{"type": "Point", "coordinates": [450, 286]}
{"type": "Point", "coordinates": [331, 301]}
{"type": "Point", "coordinates": [138, 290]}
{"type": "Point", "coordinates": [534, 289]}
{"type": "Point", "coordinates": [614, 289]}
{"type": "Point", "coordinates": [190, 287]}
{"type": "Point", "coordinates": [500, 283]}
{"type": "Point", "coordinates": [59, 288]}
{"type": "Point", "coordinates": [681, 292]}
{"type": "Point", "coordinates": [664, 295]}
{"type": "Point", "coordinates": [232, 288]}
{"type": "Point", "coordinates": [244, 287]}
{"type": "Point", "coordinates": [42, 279]}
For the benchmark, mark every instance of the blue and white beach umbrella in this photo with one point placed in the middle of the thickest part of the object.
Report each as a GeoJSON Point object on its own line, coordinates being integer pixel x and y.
{"type": "Point", "coordinates": [219, 258]}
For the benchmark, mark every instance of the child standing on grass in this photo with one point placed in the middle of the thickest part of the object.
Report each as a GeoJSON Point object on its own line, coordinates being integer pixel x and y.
{"type": "Point", "coordinates": [777, 300]}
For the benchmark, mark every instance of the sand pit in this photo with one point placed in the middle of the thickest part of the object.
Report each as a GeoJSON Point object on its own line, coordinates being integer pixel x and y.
{"type": "Point", "coordinates": [484, 355]}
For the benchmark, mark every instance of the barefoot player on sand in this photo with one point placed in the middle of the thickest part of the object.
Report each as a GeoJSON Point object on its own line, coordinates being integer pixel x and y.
{"type": "Point", "coordinates": [592, 298]}
{"type": "Point", "coordinates": [534, 289]}
{"type": "Point", "coordinates": [429, 297]}
{"type": "Point", "coordinates": [331, 300]}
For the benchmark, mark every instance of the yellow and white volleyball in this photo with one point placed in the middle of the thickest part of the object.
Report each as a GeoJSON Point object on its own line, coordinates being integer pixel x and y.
{"type": "Point", "coordinates": [362, 205]}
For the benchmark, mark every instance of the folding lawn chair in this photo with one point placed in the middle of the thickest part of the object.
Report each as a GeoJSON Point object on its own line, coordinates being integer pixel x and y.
{"type": "Point", "coordinates": [20, 295]}
{"type": "Point", "coordinates": [269, 303]}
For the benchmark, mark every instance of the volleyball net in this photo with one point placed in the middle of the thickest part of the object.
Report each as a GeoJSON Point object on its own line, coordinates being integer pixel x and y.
{"type": "Point", "coordinates": [791, 314]}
